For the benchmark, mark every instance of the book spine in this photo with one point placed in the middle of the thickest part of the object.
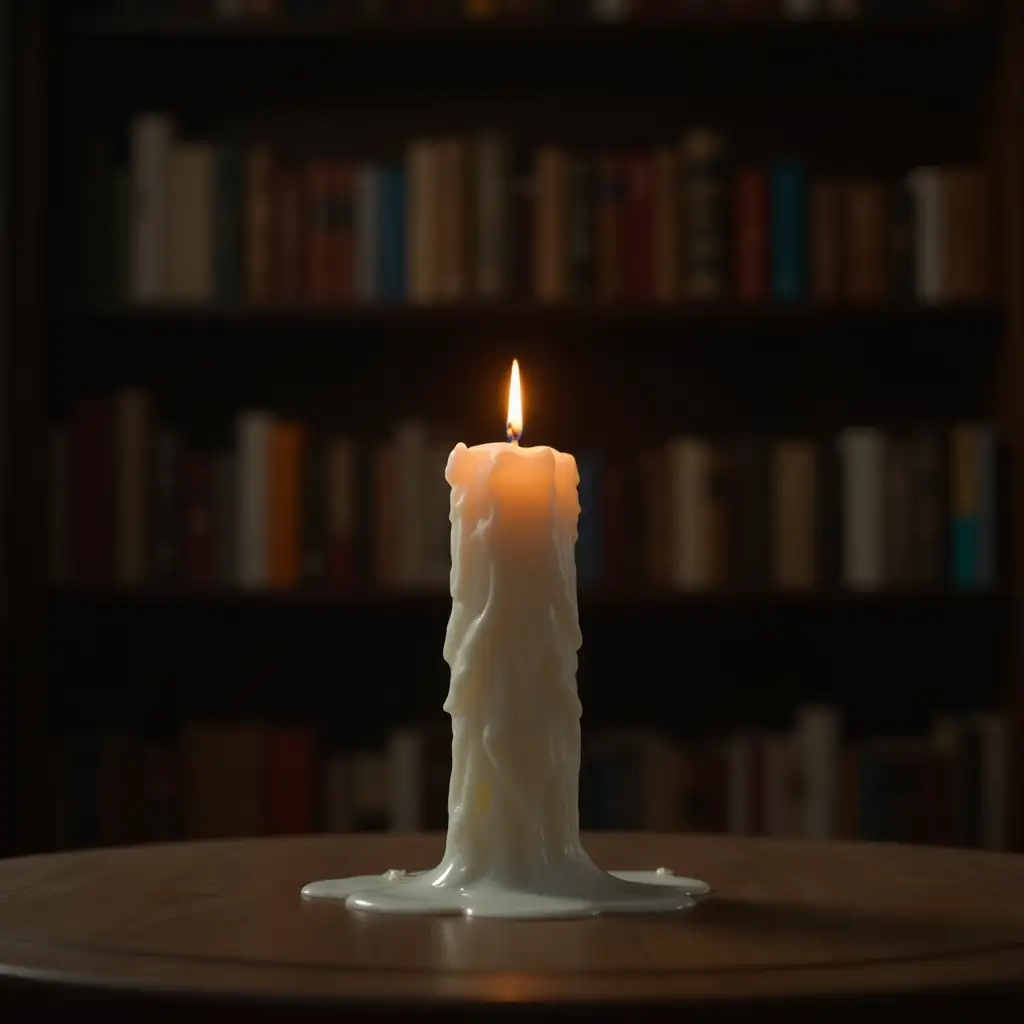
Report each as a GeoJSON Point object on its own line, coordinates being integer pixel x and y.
{"type": "Point", "coordinates": [789, 231]}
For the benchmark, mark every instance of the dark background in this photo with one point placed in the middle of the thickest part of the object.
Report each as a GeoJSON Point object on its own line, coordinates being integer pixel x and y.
{"type": "Point", "coordinates": [870, 98]}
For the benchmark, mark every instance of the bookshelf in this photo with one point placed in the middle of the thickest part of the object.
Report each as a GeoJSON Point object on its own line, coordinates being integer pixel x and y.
{"type": "Point", "coordinates": [609, 373]}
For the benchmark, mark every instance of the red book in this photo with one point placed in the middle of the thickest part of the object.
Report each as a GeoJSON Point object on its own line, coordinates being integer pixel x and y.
{"type": "Point", "coordinates": [92, 492]}
{"type": "Point", "coordinates": [639, 228]}
{"type": "Point", "coordinates": [291, 775]}
{"type": "Point", "coordinates": [320, 270]}
{"type": "Point", "coordinates": [199, 541]}
{"type": "Point", "coordinates": [750, 234]}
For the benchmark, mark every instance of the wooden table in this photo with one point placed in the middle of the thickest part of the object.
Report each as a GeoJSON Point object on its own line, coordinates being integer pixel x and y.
{"type": "Point", "coordinates": [220, 926]}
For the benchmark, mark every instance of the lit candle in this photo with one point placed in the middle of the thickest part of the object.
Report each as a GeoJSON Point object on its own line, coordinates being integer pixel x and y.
{"type": "Point", "coordinates": [511, 644]}
{"type": "Point", "coordinates": [513, 846]}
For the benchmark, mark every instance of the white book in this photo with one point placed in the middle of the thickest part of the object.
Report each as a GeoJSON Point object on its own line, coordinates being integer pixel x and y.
{"type": "Point", "coordinates": [190, 211]}
{"type": "Point", "coordinates": [689, 460]}
{"type": "Point", "coordinates": [367, 207]}
{"type": "Point", "coordinates": [818, 739]}
{"type": "Point", "coordinates": [405, 753]}
{"type": "Point", "coordinates": [132, 496]}
{"type": "Point", "coordinates": [493, 196]}
{"type": "Point", "coordinates": [253, 489]}
{"type": "Point", "coordinates": [926, 189]}
{"type": "Point", "coordinates": [862, 451]}
{"type": "Point", "coordinates": [151, 139]}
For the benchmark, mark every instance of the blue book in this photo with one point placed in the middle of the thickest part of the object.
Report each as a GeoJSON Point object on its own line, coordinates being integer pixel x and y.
{"type": "Point", "coordinates": [788, 215]}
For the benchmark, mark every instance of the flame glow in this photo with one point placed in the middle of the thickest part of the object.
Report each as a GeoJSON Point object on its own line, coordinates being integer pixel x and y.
{"type": "Point", "coordinates": [514, 422]}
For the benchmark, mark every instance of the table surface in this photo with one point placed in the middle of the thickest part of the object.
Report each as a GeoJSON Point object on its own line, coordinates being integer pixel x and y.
{"type": "Point", "coordinates": [786, 918]}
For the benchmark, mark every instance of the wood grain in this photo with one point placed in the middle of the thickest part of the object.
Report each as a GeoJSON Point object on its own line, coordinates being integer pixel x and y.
{"type": "Point", "coordinates": [786, 919]}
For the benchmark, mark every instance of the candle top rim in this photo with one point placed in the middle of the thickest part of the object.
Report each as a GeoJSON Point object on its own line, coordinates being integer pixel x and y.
{"type": "Point", "coordinates": [521, 450]}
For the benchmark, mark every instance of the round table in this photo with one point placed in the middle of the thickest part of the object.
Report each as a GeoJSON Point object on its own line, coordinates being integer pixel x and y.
{"type": "Point", "coordinates": [211, 927]}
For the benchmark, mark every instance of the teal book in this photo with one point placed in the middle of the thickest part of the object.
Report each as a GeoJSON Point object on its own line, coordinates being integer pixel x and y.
{"type": "Point", "coordinates": [788, 217]}
{"type": "Point", "coordinates": [966, 542]}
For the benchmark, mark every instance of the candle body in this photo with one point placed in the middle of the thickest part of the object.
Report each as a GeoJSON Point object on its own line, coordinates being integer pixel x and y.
{"type": "Point", "coordinates": [512, 645]}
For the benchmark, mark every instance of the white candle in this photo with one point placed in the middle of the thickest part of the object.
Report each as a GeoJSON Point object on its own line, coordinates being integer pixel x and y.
{"type": "Point", "coordinates": [513, 846]}
{"type": "Point", "coordinates": [511, 644]}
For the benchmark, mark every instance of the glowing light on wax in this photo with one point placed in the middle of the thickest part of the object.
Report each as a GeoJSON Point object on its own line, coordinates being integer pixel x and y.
{"type": "Point", "coordinates": [514, 420]}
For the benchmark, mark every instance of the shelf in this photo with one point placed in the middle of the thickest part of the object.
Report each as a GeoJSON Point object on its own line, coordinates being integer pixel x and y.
{"type": "Point", "coordinates": [712, 314]}
{"type": "Point", "coordinates": [220, 599]}
{"type": "Point", "coordinates": [330, 29]}
{"type": "Point", "coordinates": [335, 28]}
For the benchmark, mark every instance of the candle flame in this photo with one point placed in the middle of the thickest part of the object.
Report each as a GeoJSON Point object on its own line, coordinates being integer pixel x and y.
{"type": "Point", "coordinates": [514, 422]}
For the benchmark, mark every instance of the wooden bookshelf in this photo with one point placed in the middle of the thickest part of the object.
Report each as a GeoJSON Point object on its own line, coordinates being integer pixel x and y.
{"type": "Point", "coordinates": [916, 27]}
{"type": "Point", "coordinates": [889, 658]}
{"type": "Point", "coordinates": [811, 600]}
{"type": "Point", "coordinates": [723, 315]}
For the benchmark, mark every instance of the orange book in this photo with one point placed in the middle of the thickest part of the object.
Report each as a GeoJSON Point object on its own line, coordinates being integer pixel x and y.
{"type": "Point", "coordinates": [283, 528]}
